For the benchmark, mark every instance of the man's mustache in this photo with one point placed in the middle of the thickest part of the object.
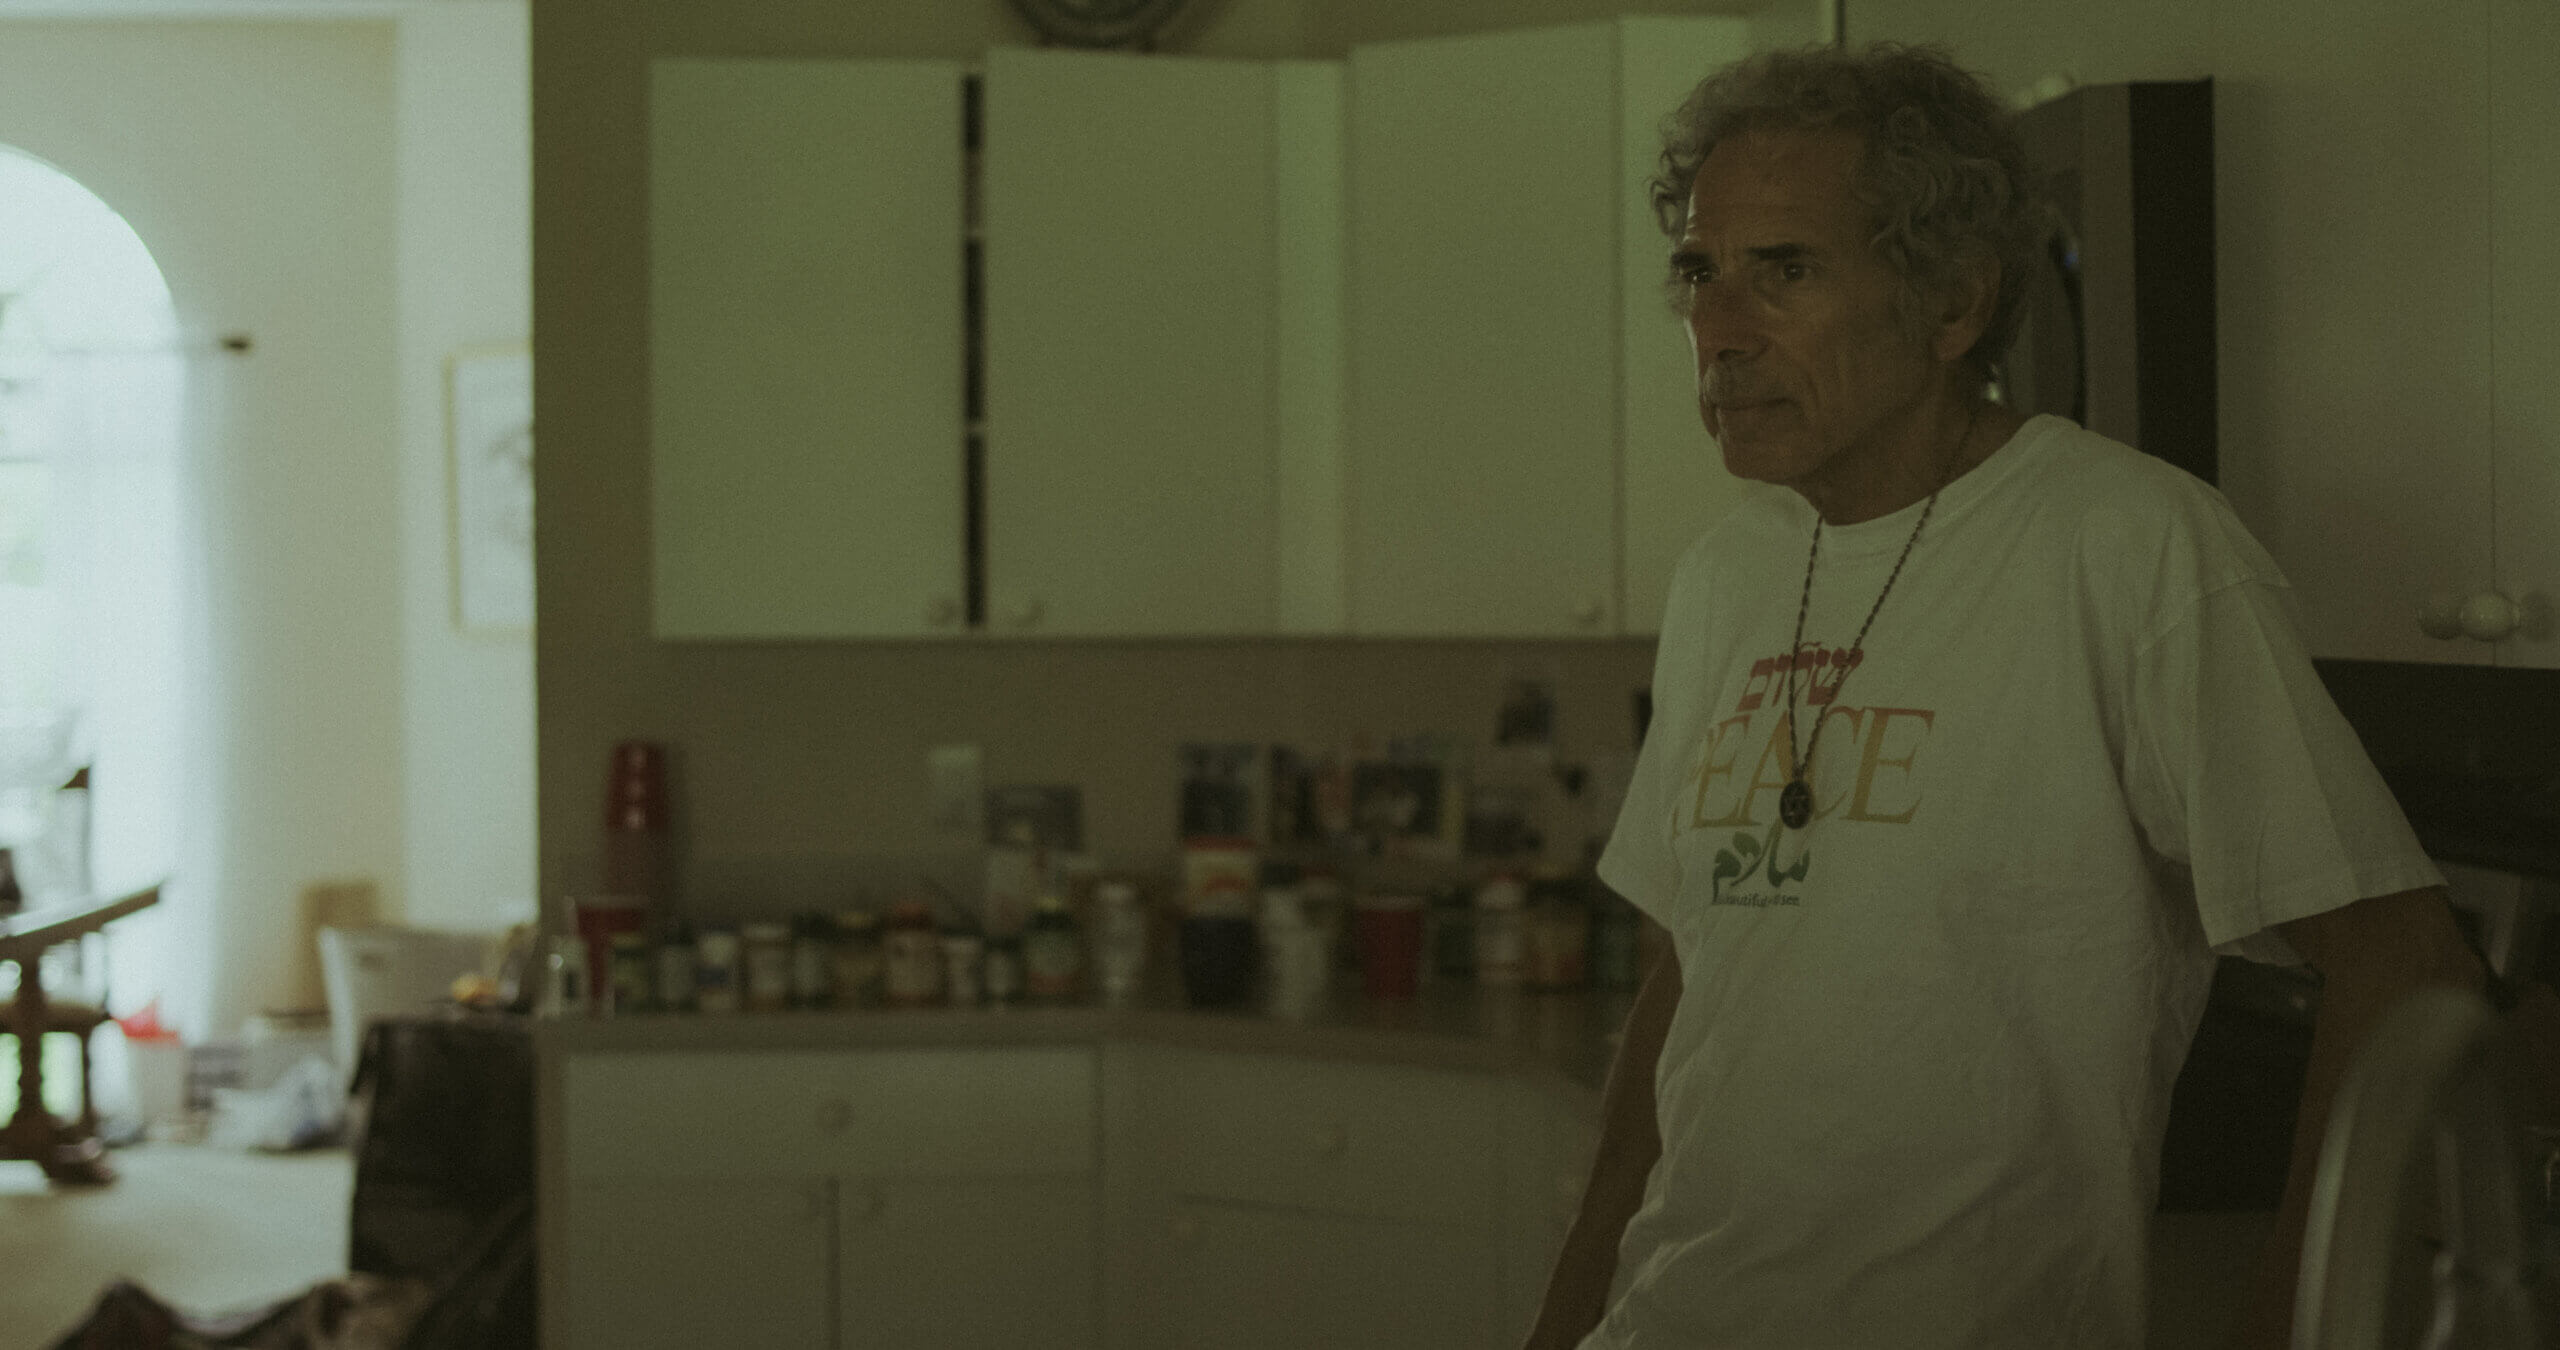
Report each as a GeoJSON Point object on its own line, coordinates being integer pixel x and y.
{"type": "Point", "coordinates": [1725, 388]}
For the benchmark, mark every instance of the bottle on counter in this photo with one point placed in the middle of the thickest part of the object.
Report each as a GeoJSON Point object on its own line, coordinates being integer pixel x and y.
{"type": "Point", "coordinates": [1297, 966]}
{"type": "Point", "coordinates": [1052, 952]}
{"type": "Point", "coordinates": [625, 988]}
{"type": "Point", "coordinates": [963, 955]}
{"type": "Point", "coordinates": [675, 968]}
{"type": "Point", "coordinates": [813, 975]}
{"type": "Point", "coordinates": [1119, 941]}
{"type": "Point", "coordinates": [1559, 935]}
{"type": "Point", "coordinates": [716, 970]}
{"type": "Point", "coordinates": [767, 983]}
{"type": "Point", "coordinates": [1615, 932]}
{"type": "Point", "coordinates": [857, 959]}
{"type": "Point", "coordinates": [1003, 970]}
{"type": "Point", "coordinates": [911, 956]}
{"type": "Point", "coordinates": [1502, 932]}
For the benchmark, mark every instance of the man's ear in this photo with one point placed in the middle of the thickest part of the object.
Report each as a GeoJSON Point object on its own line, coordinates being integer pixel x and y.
{"type": "Point", "coordinates": [1964, 308]}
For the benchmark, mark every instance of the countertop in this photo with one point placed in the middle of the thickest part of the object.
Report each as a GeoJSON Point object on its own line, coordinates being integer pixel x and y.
{"type": "Point", "coordinates": [1566, 1037]}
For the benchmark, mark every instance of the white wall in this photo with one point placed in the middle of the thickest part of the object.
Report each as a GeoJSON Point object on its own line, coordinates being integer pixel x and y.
{"type": "Point", "coordinates": [464, 139]}
{"type": "Point", "coordinates": [265, 161]}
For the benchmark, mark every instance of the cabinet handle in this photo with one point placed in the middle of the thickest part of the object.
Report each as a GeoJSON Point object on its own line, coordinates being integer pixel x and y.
{"type": "Point", "coordinates": [2489, 616]}
{"type": "Point", "coordinates": [1588, 612]}
{"type": "Point", "coordinates": [834, 1114]}
{"type": "Point", "coordinates": [1330, 1141]}
{"type": "Point", "coordinates": [2440, 615]}
{"type": "Point", "coordinates": [1026, 612]}
{"type": "Point", "coordinates": [944, 612]}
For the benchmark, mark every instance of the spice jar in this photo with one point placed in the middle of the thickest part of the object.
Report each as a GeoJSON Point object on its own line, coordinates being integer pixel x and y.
{"type": "Point", "coordinates": [626, 983]}
{"type": "Point", "coordinates": [1559, 935]}
{"type": "Point", "coordinates": [1502, 933]}
{"type": "Point", "coordinates": [715, 971]}
{"type": "Point", "coordinates": [911, 956]}
{"type": "Point", "coordinates": [857, 959]}
{"type": "Point", "coordinates": [1119, 940]}
{"type": "Point", "coordinates": [768, 967]}
{"type": "Point", "coordinates": [1052, 952]}
{"type": "Point", "coordinates": [675, 962]}
{"type": "Point", "coordinates": [812, 965]}
{"type": "Point", "coordinates": [961, 951]}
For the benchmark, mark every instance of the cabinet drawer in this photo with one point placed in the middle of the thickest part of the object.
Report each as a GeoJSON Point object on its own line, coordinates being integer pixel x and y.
{"type": "Point", "coordinates": [1027, 1112]}
{"type": "Point", "coordinates": [1365, 1139]}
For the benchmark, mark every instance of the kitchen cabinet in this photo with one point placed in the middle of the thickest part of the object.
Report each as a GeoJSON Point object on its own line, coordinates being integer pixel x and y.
{"type": "Point", "coordinates": [882, 1197]}
{"type": "Point", "coordinates": [1524, 458]}
{"type": "Point", "coordinates": [1281, 1200]}
{"type": "Point", "coordinates": [2385, 202]}
{"type": "Point", "coordinates": [1134, 338]}
{"type": "Point", "coordinates": [2524, 373]}
{"type": "Point", "coordinates": [679, 1264]}
{"type": "Point", "coordinates": [805, 359]}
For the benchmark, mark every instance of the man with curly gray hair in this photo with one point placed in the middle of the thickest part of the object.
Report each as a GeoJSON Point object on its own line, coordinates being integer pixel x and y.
{"type": "Point", "coordinates": [1900, 1079]}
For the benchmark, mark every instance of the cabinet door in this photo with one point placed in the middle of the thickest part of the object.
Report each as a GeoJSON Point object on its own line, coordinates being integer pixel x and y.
{"type": "Point", "coordinates": [970, 1263]}
{"type": "Point", "coordinates": [2524, 168]}
{"type": "Point", "coordinates": [2352, 273]}
{"type": "Point", "coordinates": [1130, 325]}
{"type": "Point", "coordinates": [678, 1265]}
{"type": "Point", "coordinates": [1246, 1277]}
{"type": "Point", "coordinates": [805, 350]}
{"type": "Point", "coordinates": [1484, 323]}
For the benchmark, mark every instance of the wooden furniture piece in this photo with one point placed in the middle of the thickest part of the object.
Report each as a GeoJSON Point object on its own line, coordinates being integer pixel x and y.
{"type": "Point", "coordinates": [68, 1153]}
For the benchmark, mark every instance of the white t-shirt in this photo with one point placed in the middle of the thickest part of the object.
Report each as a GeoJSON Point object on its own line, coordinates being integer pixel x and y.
{"type": "Point", "coordinates": [1914, 1091]}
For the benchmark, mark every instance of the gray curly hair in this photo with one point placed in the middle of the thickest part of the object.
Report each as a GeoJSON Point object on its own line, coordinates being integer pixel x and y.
{"type": "Point", "coordinates": [1943, 172]}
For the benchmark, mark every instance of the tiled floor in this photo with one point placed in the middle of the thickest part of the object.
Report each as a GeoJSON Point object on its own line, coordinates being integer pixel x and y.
{"type": "Point", "coordinates": [207, 1230]}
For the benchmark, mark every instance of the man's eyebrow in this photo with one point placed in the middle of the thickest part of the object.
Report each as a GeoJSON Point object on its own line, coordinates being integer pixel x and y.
{"type": "Point", "coordinates": [1685, 259]}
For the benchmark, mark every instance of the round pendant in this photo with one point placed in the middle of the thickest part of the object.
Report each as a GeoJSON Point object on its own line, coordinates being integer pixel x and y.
{"type": "Point", "coordinates": [1795, 805]}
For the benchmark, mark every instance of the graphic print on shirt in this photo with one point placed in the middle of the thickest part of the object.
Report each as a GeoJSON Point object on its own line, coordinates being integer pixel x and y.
{"type": "Point", "coordinates": [1864, 770]}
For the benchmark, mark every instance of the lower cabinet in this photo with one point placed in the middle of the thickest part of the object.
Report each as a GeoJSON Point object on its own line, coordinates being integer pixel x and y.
{"type": "Point", "coordinates": [677, 1265]}
{"type": "Point", "coordinates": [1128, 1195]}
{"type": "Point", "coordinates": [965, 1263]}
{"type": "Point", "coordinates": [1253, 1277]}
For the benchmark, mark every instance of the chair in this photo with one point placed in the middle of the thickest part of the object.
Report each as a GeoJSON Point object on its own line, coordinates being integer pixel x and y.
{"type": "Point", "coordinates": [68, 1153]}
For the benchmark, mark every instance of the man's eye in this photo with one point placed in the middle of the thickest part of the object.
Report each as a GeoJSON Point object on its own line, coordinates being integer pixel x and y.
{"type": "Point", "coordinates": [1793, 271]}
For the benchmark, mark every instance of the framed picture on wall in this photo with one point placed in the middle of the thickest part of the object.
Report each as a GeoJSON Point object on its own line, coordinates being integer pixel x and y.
{"type": "Point", "coordinates": [491, 411]}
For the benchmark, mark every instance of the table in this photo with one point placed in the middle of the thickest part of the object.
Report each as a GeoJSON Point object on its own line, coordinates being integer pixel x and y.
{"type": "Point", "coordinates": [68, 1152]}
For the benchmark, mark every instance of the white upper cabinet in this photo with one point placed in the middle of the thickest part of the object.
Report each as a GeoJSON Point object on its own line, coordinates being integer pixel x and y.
{"type": "Point", "coordinates": [1508, 341]}
{"type": "Point", "coordinates": [2354, 280]}
{"type": "Point", "coordinates": [805, 371]}
{"type": "Point", "coordinates": [2524, 224]}
{"type": "Point", "coordinates": [1131, 321]}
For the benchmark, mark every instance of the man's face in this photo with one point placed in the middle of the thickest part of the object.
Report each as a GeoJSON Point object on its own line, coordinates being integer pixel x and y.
{"type": "Point", "coordinates": [1805, 377]}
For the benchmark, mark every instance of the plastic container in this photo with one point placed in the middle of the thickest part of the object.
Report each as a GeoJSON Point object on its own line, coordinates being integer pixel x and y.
{"type": "Point", "coordinates": [1119, 941]}
{"type": "Point", "coordinates": [911, 956]}
{"type": "Point", "coordinates": [1502, 932]}
{"type": "Point", "coordinates": [1297, 965]}
{"type": "Point", "coordinates": [716, 971]}
{"type": "Point", "coordinates": [1390, 929]}
{"type": "Point", "coordinates": [1217, 960]}
{"type": "Point", "coordinates": [1052, 953]}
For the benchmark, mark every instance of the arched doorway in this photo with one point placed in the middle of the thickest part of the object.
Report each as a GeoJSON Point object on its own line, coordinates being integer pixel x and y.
{"type": "Point", "coordinates": [99, 570]}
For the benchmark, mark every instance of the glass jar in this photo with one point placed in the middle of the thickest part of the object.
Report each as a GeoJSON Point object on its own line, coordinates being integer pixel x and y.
{"type": "Point", "coordinates": [1052, 952]}
{"type": "Point", "coordinates": [911, 956]}
{"type": "Point", "coordinates": [1119, 941]}
{"type": "Point", "coordinates": [1502, 932]}
{"type": "Point", "coordinates": [715, 971]}
{"type": "Point", "coordinates": [768, 967]}
{"type": "Point", "coordinates": [627, 980]}
{"type": "Point", "coordinates": [857, 959]}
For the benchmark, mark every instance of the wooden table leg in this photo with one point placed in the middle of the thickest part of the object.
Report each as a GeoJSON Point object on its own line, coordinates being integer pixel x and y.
{"type": "Point", "coordinates": [68, 1157]}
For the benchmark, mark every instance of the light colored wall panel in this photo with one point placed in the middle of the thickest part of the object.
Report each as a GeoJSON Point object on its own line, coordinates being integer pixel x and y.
{"type": "Point", "coordinates": [1310, 219]}
{"type": "Point", "coordinates": [805, 357]}
{"type": "Point", "coordinates": [1672, 480]}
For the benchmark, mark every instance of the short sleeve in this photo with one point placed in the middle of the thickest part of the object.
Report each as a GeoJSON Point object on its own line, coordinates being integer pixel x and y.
{"type": "Point", "coordinates": [2239, 766]}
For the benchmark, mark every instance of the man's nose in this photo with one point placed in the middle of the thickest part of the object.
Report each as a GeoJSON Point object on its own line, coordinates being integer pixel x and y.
{"type": "Point", "coordinates": [1720, 324]}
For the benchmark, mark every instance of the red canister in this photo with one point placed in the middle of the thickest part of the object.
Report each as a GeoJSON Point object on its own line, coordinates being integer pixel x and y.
{"type": "Point", "coordinates": [1390, 928]}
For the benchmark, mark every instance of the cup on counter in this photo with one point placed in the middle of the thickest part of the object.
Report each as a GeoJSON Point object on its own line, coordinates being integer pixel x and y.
{"type": "Point", "coordinates": [602, 918]}
{"type": "Point", "coordinates": [1390, 931]}
{"type": "Point", "coordinates": [1217, 960]}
